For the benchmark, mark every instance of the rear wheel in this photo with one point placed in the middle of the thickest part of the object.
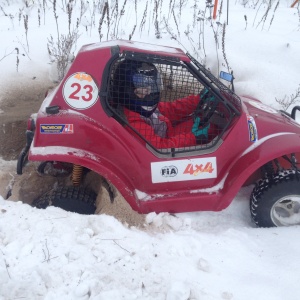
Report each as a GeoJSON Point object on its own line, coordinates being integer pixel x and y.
{"type": "Point", "coordinates": [73, 199]}
{"type": "Point", "coordinates": [22, 160]}
{"type": "Point", "coordinates": [276, 201]}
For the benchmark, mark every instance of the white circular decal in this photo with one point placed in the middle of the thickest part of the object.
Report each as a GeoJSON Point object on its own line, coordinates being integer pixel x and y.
{"type": "Point", "coordinates": [263, 107]}
{"type": "Point", "coordinates": [80, 91]}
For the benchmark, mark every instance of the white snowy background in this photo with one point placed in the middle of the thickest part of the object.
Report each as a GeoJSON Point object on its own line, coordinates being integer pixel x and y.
{"type": "Point", "coordinates": [54, 254]}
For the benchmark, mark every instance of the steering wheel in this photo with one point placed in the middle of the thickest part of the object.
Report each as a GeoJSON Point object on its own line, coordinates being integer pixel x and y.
{"type": "Point", "coordinates": [206, 106]}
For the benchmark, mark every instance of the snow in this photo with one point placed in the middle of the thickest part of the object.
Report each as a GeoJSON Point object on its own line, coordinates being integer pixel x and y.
{"type": "Point", "coordinates": [142, 46]}
{"type": "Point", "coordinates": [54, 254]}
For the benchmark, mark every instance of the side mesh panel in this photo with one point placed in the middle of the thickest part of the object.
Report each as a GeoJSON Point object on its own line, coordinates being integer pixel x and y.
{"type": "Point", "coordinates": [169, 128]}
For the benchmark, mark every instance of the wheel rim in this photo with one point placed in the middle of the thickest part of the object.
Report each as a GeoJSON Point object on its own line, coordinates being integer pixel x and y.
{"type": "Point", "coordinates": [286, 211]}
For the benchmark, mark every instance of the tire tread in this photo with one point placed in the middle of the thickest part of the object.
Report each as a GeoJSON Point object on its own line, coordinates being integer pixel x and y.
{"type": "Point", "coordinates": [262, 187]}
{"type": "Point", "coordinates": [70, 198]}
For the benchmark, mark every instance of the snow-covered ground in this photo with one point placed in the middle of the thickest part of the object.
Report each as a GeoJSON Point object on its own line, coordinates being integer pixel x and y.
{"type": "Point", "coordinates": [54, 254]}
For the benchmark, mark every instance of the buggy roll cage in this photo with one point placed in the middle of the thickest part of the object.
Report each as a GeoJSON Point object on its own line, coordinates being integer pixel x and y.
{"type": "Point", "coordinates": [224, 94]}
{"type": "Point", "coordinates": [210, 79]}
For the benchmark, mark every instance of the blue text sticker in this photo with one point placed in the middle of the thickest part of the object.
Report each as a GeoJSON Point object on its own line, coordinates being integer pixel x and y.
{"type": "Point", "coordinates": [57, 128]}
{"type": "Point", "coordinates": [253, 136]}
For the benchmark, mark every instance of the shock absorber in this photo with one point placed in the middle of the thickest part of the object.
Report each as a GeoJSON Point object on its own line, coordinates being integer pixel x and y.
{"type": "Point", "coordinates": [77, 174]}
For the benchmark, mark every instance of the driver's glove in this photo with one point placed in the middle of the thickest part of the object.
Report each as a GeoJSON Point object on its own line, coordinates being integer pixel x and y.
{"type": "Point", "coordinates": [201, 133]}
{"type": "Point", "coordinates": [206, 95]}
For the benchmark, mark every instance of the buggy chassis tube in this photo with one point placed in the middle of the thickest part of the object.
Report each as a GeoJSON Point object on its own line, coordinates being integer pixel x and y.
{"type": "Point", "coordinates": [214, 199]}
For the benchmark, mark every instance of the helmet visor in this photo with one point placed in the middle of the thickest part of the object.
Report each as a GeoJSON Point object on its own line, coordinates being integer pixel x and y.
{"type": "Point", "coordinates": [147, 82]}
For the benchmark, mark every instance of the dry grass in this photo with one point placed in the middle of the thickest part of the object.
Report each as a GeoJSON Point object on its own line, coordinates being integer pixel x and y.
{"type": "Point", "coordinates": [115, 19]}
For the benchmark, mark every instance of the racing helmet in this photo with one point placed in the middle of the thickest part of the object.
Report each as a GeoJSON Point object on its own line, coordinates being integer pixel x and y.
{"type": "Point", "coordinates": [142, 86]}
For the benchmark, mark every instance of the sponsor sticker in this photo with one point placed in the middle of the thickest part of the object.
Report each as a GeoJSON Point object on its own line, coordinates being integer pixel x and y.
{"type": "Point", "coordinates": [57, 128]}
{"type": "Point", "coordinates": [80, 91]}
{"type": "Point", "coordinates": [253, 135]}
{"type": "Point", "coordinates": [184, 170]}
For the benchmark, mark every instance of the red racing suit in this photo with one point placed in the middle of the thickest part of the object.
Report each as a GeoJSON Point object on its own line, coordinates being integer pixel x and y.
{"type": "Point", "coordinates": [170, 126]}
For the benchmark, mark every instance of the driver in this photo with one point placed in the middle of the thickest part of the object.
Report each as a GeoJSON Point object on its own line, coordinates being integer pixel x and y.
{"type": "Point", "coordinates": [163, 124]}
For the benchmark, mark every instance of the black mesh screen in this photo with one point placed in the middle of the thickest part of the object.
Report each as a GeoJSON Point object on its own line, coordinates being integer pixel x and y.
{"type": "Point", "coordinates": [161, 107]}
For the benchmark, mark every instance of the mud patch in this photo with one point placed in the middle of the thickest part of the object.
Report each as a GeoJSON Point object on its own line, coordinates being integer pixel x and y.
{"type": "Point", "coordinates": [18, 101]}
{"type": "Point", "coordinates": [31, 185]}
{"type": "Point", "coordinates": [12, 139]}
{"type": "Point", "coordinates": [7, 177]}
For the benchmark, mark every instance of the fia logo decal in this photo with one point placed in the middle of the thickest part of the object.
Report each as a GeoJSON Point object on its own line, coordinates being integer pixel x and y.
{"type": "Point", "coordinates": [170, 171]}
{"type": "Point", "coordinates": [184, 170]}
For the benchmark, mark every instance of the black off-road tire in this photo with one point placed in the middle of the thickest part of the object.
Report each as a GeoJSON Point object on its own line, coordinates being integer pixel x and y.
{"type": "Point", "coordinates": [268, 192]}
{"type": "Point", "coordinates": [73, 199]}
{"type": "Point", "coordinates": [22, 160]}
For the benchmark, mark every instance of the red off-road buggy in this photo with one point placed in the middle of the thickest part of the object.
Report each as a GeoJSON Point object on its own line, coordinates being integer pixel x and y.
{"type": "Point", "coordinates": [81, 129]}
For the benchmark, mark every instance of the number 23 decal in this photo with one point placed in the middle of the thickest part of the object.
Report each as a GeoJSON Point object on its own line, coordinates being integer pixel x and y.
{"type": "Point", "coordinates": [88, 95]}
{"type": "Point", "coordinates": [80, 91]}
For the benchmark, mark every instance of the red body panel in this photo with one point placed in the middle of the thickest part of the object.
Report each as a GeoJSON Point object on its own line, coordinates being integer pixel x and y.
{"type": "Point", "coordinates": [99, 142]}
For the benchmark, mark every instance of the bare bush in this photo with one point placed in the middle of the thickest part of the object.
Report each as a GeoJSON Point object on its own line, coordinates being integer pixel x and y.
{"type": "Point", "coordinates": [60, 52]}
{"type": "Point", "coordinates": [25, 17]}
{"type": "Point", "coordinates": [115, 20]}
{"type": "Point", "coordinates": [17, 53]}
{"type": "Point", "coordinates": [267, 7]}
{"type": "Point", "coordinates": [223, 48]}
{"type": "Point", "coordinates": [105, 12]}
{"type": "Point", "coordinates": [288, 101]}
{"type": "Point", "coordinates": [156, 18]}
{"type": "Point", "coordinates": [143, 21]}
